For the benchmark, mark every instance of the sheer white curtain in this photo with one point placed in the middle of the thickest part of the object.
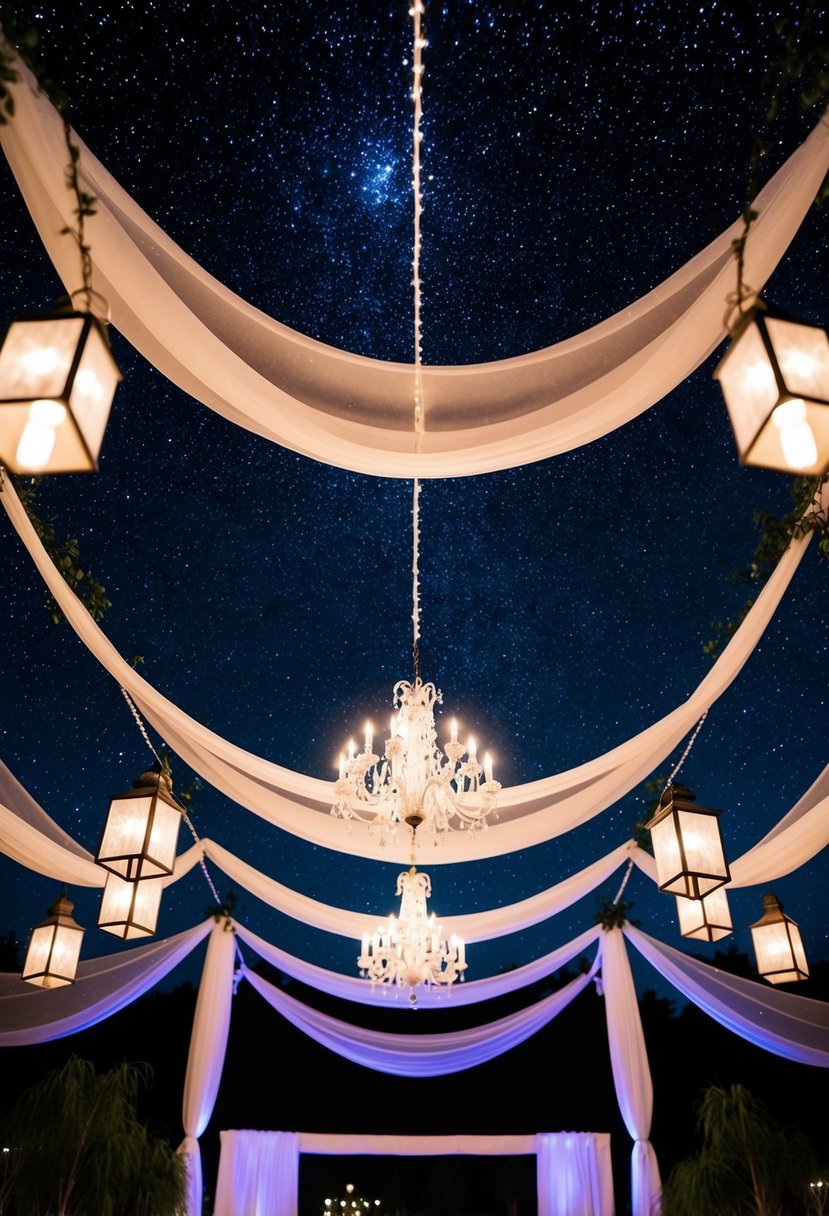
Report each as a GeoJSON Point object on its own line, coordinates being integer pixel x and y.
{"type": "Point", "coordinates": [631, 1070]}
{"type": "Point", "coordinates": [573, 1176]}
{"type": "Point", "coordinates": [258, 1174]}
{"type": "Point", "coordinates": [792, 1026]}
{"type": "Point", "coordinates": [528, 814]}
{"type": "Point", "coordinates": [356, 412]}
{"type": "Point", "coordinates": [259, 1171]}
{"type": "Point", "coordinates": [208, 1042]}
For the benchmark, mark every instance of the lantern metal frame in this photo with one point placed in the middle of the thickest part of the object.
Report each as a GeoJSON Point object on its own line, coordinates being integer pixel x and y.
{"type": "Point", "coordinates": [686, 882]}
{"type": "Point", "coordinates": [59, 920]}
{"type": "Point", "coordinates": [796, 968]}
{"type": "Point", "coordinates": [137, 907]}
{"type": "Point", "coordinates": [142, 864]}
{"type": "Point", "coordinates": [79, 449]}
{"type": "Point", "coordinates": [753, 425]}
{"type": "Point", "coordinates": [707, 919]}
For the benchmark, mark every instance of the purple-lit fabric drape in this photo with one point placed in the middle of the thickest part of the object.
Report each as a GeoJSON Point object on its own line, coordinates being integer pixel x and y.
{"type": "Point", "coordinates": [573, 1174]}
{"type": "Point", "coordinates": [791, 1026]}
{"type": "Point", "coordinates": [258, 1174]}
{"type": "Point", "coordinates": [631, 1071]}
{"type": "Point", "coordinates": [353, 988]}
{"type": "Point", "coordinates": [410, 1055]}
{"type": "Point", "coordinates": [103, 986]}
{"type": "Point", "coordinates": [208, 1042]}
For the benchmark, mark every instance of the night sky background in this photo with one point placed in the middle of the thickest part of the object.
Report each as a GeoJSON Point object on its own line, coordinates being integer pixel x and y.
{"type": "Point", "coordinates": [572, 160]}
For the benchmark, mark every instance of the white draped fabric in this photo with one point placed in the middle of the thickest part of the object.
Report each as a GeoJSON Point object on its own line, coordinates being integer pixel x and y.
{"type": "Point", "coordinates": [631, 1071]}
{"type": "Point", "coordinates": [528, 814]}
{"type": "Point", "coordinates": [418, 1055]}
{"type": "Point", "coordinates": [352, 988]}
{"type": "Point", "coordinates": [258, 1174]}
{"type": "Point", "coordinates": [205, 1062]}
{"type": "Point", "coordinates": [791, 1026]}
{"type": "Point", "coordinates": [471, 926]}
{"type": "Point", "coordinates": [103, 986]}
{"type": "Point", "coordinates": [573, 1176]}
{"type": "Point", "coordinates": [259, 1171]}
{"type": "Point", "coordinates": [355, 412]}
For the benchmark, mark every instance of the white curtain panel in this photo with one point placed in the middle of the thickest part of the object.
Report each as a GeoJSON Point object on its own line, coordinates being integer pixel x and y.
{"type": "Point", "coordinates": [795, 1027]}
{"type": "Point", "coordinates": [573, 1174]}
{"type": "Point", "coordinates": [528, 814]}
{"type": "Point", "coordinates": [355, 412]}
{"type": "Point", "coordinates": [258, 1174]}
{"type": "Point", "coordinates": [205, 1061]}
{"type": "Point", "coordinates": [103, 986]}
{"type": "Point", "coordinates": [259, 1171]}
{"type": "Point", "coordinates": [631, 1070]}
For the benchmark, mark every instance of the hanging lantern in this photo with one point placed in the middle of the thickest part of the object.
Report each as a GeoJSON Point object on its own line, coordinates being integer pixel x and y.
{"type": "Point", "coordinates": [778, 946]}
{"type": "Point", "coordinates": [54, 948]}
{"type": "Point", "coordinates": [706, 919]}
{"type": "Point", "coordinates": [687, 845]}
{"type": "Point", "coordinates": [141, 830]}
{"type": "Point", "coordinates": [57, 382]}
{"type": "Point", "coordinates": [130, 909]}
{"type": "Point", "coordinates": [775, 380]}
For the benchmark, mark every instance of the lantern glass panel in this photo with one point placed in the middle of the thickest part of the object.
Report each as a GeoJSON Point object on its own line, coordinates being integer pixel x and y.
{"type": "Point", "coordinates": [130, 909]}
{"type": "Point", "coordinates": [125, 832]}
{"type": "Point", "coordinates": [688, 850]}
{"type": "Point", "coordinates": [52, 957]}
{"type": "Point", "coordinates": [802, 352]}
{"type": "Point", "coordinates": [93, 389]}
{"type": "Point", "coordinates": [749, 385]}
{"type": "Point", "coordinates": [777, 958]}
{"type": "Point", "coordinates": [161, 847]}
{"type": "Point", "coordinates": [707, 919]}
{"type": "Point", "coordinates": [37, 356]}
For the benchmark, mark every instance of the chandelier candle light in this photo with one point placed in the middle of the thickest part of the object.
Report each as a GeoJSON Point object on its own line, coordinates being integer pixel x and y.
{"type": "Point", "coordinates": [410, 949]}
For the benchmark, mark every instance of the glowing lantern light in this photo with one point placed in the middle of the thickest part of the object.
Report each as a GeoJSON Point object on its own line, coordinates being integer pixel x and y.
{"type": "Point", "coordinates": [54, 948]}
{"type": "Point", "coordinates": [141, 831]}
{"type": "Point", "coordinates": [775, 381]}
{"type": "Point", "coordinates": [778, 946]}
{"type": "Point", "coordinates": [687, 845]}
{"type": "Point", "coordinates": [57, 382]}
{"type": "Point", "coordinates": [130, 909]}
{"type": "Point", "coordinates": [706, 919]}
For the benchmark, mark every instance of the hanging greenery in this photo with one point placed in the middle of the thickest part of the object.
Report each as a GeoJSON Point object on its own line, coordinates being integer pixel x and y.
{"type": "Point", "coordinates": [64, 553]}
{"type": "Point", "coordinates": [776, 534]}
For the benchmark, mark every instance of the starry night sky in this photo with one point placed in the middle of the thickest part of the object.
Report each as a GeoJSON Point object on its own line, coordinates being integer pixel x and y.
{"type": "Point", "coordinates": [572, 160]}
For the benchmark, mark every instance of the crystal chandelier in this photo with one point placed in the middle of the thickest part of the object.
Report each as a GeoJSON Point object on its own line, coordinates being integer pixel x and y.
{"type": "Point", "coordinates": [410, 949]}
{"type": "Point", "coordinates": [414, 782]}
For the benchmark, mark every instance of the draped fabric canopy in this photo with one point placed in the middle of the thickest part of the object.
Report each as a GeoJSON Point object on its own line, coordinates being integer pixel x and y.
{"type": "Point", "coordinates": [357, 413]}
{"type": "Point", "coordinates": [528, 814]}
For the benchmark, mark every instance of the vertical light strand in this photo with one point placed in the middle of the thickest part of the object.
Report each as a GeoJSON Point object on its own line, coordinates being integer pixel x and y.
{"type": "Point", "coordinates": [419, 42]}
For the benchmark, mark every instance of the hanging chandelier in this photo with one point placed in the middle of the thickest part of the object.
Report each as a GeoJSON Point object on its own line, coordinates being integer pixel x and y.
{"type": "Point", "coordinates": [410, 949]}
{"type": "Point", "coordinates": [414, 781]}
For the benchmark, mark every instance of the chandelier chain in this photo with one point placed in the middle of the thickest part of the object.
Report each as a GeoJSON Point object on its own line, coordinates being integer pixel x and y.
{"type": "Point", "coordinates": [684, 755]}
{"type": "Point", "coordinates": [419, 42]}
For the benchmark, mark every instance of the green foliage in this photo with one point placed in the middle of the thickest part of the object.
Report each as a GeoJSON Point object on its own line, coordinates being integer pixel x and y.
{"type": "Point", "coordinates": [76, 1147]}
{"type": "Point", "coordinates": [776, 534]}
{"type": "Point", "coordinates": [747, 1165]}
{"type": "Point", "coordinates": [224, 910]}
{"type": "Point", "coordinates": [18, 41]}
{"type": "Point", "coordinates": [614, 915]}
{"type": "Point", "coordinates": [64, 553]}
